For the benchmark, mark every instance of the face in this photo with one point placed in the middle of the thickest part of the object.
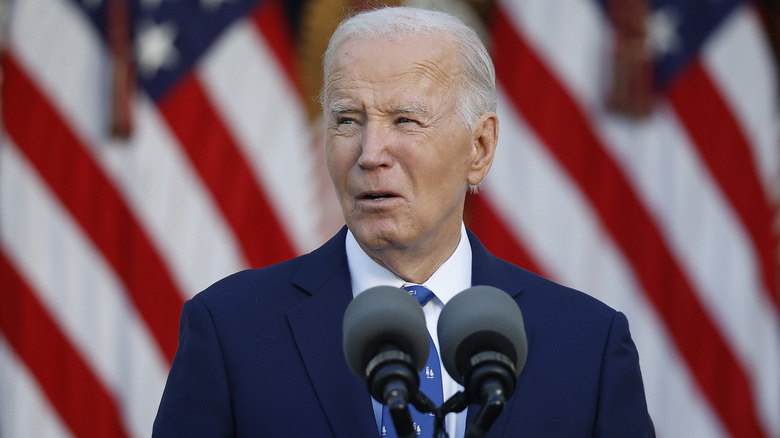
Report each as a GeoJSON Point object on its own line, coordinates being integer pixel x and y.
{"type": "Point", "coordinates": [399, 156]}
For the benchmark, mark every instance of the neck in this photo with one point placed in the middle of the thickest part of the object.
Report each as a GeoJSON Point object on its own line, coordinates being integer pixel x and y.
{"type": "Point", "coordinates": [416, 264]}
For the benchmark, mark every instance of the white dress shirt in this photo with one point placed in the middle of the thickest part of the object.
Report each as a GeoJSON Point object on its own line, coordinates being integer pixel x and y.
{"type": "Point", "coordinates": [451, 278]}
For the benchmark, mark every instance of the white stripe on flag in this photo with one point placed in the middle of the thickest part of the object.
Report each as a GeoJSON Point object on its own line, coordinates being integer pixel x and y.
{"type": "Point", "coordinates": [168, 196]}
{"type": "Point", "coordinates": [79, 291]}
{"type": "Point", "coordinates": [750, 91]}
{"type": "Point", "coordinates": [62, 52]}
{"type": "Point", "coordinates": [572, 37]}
{"type": "Point", "coordinates": [24, 409]}
{"type": "Point", "coordinates": [706, 238]}
{"type": "Point", "coordinates": [157, 180]}
{"type": "Point", "coordinates": [262, 110]}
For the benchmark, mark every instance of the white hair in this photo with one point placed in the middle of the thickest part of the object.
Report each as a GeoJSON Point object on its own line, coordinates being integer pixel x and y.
{"type": "Point", "coordinates": [477, 93]}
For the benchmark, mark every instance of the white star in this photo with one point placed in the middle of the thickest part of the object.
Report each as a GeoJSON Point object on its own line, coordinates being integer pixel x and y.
{"type": "Point", "coordinates": [662, 32]}
{"type": "Point", "coordinates": [155, 48]}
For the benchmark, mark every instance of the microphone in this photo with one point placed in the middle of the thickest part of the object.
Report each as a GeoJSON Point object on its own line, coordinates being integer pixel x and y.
{"type": "Point", "coordinates": [386, 345]}
{"type": "Point", "coordinates": [483, 347]}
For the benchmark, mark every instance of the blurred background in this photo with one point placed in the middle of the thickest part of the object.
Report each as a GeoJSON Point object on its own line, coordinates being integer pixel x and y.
{"type": "Point", "coordinates": [150, 147]}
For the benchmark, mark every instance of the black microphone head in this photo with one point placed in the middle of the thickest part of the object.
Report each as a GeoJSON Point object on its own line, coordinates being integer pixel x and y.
{"type": "Point", "coordinates": [480, 319]}
{"type": "Point", "coordinates": [379, 316]}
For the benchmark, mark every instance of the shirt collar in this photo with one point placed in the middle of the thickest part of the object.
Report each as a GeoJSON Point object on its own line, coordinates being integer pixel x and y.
{"type": "Point", "coordinates": [453, 276]}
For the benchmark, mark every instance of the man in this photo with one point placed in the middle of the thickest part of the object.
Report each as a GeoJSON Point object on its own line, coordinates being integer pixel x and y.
{"type": "Point", "coordinates": [409, 104]}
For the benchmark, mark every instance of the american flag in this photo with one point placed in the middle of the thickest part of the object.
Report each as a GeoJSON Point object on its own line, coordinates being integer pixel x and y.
{"type": "Point", "coordinates": [151, 147]}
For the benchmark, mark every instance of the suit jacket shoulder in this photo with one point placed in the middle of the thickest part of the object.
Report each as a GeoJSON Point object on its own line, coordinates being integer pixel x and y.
{"type": "Point", "coordinates": [536, 291]}
{"type": "Point", "coordinates": [258, 348]}
{"type": "Point", "coordinates": [305, 274]}
{"type": "Point", "coordinates": [582, 375]}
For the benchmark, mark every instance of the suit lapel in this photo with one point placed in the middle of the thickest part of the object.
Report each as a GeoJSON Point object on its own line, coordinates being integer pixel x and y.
{"type": "Point", "coordinates": [317, 328]}
{"type": "Point", "coordinates": [489, 270]}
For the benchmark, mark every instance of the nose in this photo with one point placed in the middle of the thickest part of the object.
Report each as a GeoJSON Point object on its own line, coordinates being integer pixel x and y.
{"type": "Point", "coordinates": [374, 147]}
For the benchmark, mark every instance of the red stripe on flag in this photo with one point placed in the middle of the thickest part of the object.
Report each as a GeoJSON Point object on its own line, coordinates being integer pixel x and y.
{"type": "Point", "coordinates": [494, 234]}
{"type": "Point", "coordinates": [724, 148]}
{"type": "Point", "coordinates": [75, 393]}
{"type": "Point", "coordinates": [270, 21]}
{"type": "Point", "coordinates": [564, 129]}
{"type": "Point", "coordinates": [80, 184]}
{"type": "Point", "coordinates": [223, 169]}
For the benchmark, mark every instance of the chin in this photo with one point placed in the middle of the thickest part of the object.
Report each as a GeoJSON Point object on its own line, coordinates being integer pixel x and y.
{"type": "Point", "coordinates": [375, 235]}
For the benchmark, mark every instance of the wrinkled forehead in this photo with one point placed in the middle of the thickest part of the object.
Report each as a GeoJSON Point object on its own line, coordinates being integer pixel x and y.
{"type": "Point", "coordinates": [425, 61]}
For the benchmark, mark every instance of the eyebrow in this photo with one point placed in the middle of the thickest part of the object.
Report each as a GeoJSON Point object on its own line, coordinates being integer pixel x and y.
{"type": "Point", "coordinates": [337, 108]}
{"type": "Point", "coordinates": [413, 108]}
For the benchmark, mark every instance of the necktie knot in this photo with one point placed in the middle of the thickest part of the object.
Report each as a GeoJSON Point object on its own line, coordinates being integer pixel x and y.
{"type": "Point", "coordinates": [419, 292]}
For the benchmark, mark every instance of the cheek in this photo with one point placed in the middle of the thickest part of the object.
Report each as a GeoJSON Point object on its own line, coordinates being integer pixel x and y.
{"type": "Point", "coordinates": [340, 164]}
{"type": "Point", "coordinates": [330, 163]}
{"type": "Point", "coordinates": [338, 175]}
{"type": "Point", "coordinates": [335, 159]}
{"type": "Point", "coordinates": [447, 181]}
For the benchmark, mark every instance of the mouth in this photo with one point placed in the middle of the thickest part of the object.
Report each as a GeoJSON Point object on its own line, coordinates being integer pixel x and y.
{"type": "Point", "coordinates": [373, 196]}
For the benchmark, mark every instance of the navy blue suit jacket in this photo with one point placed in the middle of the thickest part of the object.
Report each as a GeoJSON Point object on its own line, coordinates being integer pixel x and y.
{"type": "Point", "coordinates": [260, 355]}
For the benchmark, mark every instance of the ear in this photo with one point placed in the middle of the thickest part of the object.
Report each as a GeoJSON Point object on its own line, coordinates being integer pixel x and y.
{"type": "Point", "coordinates": [483, 147]}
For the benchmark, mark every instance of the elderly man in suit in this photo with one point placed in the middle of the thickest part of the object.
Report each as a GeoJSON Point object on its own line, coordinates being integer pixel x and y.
{"type": "Point", "coordinates": [409, 104]}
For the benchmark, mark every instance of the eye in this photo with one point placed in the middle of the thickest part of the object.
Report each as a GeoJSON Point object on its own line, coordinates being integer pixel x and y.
{"type": "Point", "coordinates": [345, 121]}
{"type": "Point", "coordinates": [404, 120]}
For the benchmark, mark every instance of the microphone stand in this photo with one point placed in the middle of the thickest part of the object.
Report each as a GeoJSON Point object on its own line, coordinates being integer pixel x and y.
{"type": "Point", "coordinates": [495, 402]}
{"type": "Point", "coordinates": [487, 415]}
{"type": "Point", "coordinates": [486, 379]}
{"type": "Point", "coordinates": [425, 405]}
{"type": "Point", "coordinates": [489, 380]}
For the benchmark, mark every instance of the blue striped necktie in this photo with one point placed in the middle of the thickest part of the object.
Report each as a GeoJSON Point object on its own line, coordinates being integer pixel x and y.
{"type": "Point", "coordinates": [430, 380]}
